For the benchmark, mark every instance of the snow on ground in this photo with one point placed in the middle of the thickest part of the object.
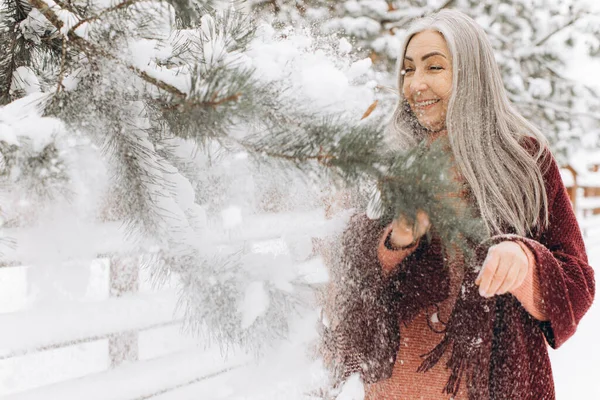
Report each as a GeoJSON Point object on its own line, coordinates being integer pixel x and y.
{"type": "Point", "coordinates": [576, 365]}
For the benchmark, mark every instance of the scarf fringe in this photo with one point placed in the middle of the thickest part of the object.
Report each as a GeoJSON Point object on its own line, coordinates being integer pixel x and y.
{"type": "Point", "coordinates": [432, 358]}
{"type": "Point", "coordinates": [457, 364]}
{"type": "Point", "coordinates": [468, 338]}
{"type": "Point", "coordinates": [453, 384]}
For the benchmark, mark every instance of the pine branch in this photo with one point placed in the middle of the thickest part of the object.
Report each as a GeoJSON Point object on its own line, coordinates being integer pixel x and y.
{"type": "Point", "coordinates": [139, 180]}
{"type": "Point", "coordinates": [447, 4]}
{"type": "Point", "coordinates": [556, 107]}
{"type": "Point", "coordinates": [212, 103]}
{"type": "Point", "coordinates": [48, 13]}
{"type": "Point", "coordinates": [66, 6]}
{"type": "Point", "coordinates": [13, 45]}
{"type": "Point", "coordinates": [221, 96]}
{"type": "Point", "coordinates": [63, 60]}
{"type": "Point", "coordinates": [200, 297]}
{"type": "Point", "coordinates": [407, 182]}
{"type": "Point", "coordinates": [8, 68]}
{"type": "Point", "coordinates": [120, 6]}
{"type": "Point", "coordinates": [321, 157]}
{"type": "Point", "coordinates": [93, 50]}
{"type": "Point", "coordinates": [557, 30]}
{"type": "Point", "coordinates": [40, 174]}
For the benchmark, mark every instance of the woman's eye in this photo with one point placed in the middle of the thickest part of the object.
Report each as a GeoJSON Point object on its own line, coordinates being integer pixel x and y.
{"type": "Point", "coordinates": [436, 67]}
{"type": "Point", "coordinates": [407, 70]}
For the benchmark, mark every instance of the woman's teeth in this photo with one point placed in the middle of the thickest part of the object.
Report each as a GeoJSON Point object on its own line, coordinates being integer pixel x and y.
{"type": "Point", "coordinates": [425, 103]}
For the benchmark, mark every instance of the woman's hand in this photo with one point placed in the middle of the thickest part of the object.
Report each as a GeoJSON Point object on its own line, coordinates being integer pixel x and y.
{"type": "Point", "coordinates": [404, 233]}
{"type": "Point", "coordinates": [504, 269]}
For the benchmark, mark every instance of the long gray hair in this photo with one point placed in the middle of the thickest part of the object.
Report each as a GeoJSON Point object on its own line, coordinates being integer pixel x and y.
{"type": "Point", "coordinates": [485, 131]}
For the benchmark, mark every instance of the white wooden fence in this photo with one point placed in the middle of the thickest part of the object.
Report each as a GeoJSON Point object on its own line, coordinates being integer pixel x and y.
{"type": "Point", "coordinates": [584, 192]}
{"type": "Point", "coordinates": [113, 326]}
{"type": "Point", "coordinates": [123, 342]}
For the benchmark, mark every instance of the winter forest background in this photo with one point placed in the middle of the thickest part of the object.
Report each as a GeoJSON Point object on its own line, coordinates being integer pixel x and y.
{"type": "Point", "coordinates": [171, 170]}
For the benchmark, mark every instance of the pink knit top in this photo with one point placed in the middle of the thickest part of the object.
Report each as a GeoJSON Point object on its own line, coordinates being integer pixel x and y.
{"type": "Point", "coordinates": [424, 332]}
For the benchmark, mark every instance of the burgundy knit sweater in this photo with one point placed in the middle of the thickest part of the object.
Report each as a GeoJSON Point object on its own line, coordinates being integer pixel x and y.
{"type": "Point", "coordinates": [517, 366]}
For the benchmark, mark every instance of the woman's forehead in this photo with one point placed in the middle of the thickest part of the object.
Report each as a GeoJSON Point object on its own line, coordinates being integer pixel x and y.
{"type": "Point", "coordinates": [424, 43]}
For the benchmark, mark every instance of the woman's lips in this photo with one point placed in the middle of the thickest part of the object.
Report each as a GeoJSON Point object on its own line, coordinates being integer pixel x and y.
{"type": "Point", "coordinates": [419, 106]}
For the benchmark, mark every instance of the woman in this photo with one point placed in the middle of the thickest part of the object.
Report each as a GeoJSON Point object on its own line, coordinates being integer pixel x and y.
{"type": "Point", "coordinates": [405, 320]}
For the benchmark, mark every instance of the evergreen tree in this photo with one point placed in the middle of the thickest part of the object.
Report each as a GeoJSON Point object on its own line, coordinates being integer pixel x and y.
{"type": "Point", "coordinates": [195, 140]}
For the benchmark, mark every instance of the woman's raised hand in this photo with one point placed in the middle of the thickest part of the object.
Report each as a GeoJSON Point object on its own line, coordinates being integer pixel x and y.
{"type": "Point", "coordinates": [404, 233]}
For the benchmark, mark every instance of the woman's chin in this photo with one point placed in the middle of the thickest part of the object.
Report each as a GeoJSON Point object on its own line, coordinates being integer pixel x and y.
{"type": "Point", "coordinates": [432, 127]}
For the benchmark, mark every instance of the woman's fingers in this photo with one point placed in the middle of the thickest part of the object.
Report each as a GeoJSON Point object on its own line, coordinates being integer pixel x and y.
{"type": "Point", "coordinates": [520, 278]}
{"type": "Point", "coordinates": [488, 272]}
{"type": "Point", "coordinates": [509, 279]}
{"type": "Point", "coordinates": [402, 233]}
{"type": "Point", "coordinates": [422, 223]}
{"type": "Point", "coordinates": [503, 270]}
{"type": "Point", "coordinates": [405, 231]}
{"type": "Point", "coordinates": [401, 225]}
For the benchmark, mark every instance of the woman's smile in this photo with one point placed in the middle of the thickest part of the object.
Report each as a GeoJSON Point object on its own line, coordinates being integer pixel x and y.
{"type": "Point", "coordinates": [425, 104]}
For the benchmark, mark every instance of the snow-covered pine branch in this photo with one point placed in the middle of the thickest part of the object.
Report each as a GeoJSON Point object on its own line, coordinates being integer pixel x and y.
{"type": "Point", "coordinates": [171, 109]}
{"type": "Point", "coordinates": [207, 129]}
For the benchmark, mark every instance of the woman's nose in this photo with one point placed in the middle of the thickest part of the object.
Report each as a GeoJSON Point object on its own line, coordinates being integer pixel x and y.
{"type": "Point", "coordinates": [417, 85]}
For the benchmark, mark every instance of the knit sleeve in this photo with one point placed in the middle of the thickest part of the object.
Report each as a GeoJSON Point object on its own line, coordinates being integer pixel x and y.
{"type": "Point", "coordinates": [528, 293]}
{"type": "Point", "coordinates": [389, 259]}
{"type": "Point", "coordinates": [366, 338]}
{"type": "Point", "coordinates": [565, 280]}
{"type": "Point", "coordinates": [371, 304]}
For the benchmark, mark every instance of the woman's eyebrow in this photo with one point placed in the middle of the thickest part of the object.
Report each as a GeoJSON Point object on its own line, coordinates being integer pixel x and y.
{"type": "Point", "coordinates": [426, 56]}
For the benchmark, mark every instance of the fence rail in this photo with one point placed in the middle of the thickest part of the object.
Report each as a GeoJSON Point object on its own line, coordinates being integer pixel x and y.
{"type": "Point", "coordinates": [118, 320]}
{"type": "Point", "coordinates": [127, 315]}
{"type": "Point", "coordinates": [584, 192]}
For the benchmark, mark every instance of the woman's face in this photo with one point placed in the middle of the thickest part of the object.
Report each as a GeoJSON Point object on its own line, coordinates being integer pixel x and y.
{"type": "Point", "coordinates": [427, 69]}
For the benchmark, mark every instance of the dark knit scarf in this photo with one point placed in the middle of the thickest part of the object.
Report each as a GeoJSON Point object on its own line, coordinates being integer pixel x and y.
{"type": "Point", "coordinates": [370, 308]}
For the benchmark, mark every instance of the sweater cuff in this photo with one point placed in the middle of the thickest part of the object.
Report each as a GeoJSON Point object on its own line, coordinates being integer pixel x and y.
{"type": "Point", "coordinates": [529, 293]}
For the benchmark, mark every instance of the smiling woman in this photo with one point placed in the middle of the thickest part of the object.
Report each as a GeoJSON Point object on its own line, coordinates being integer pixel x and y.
{"type": "Point", "coordinates": [415, 317]}
{"type": "Point", "coordinates": [427, 74]}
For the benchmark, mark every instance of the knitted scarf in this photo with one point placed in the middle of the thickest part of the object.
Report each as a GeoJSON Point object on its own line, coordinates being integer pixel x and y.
{"type": "Point", "coordinates": [371, 308]}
